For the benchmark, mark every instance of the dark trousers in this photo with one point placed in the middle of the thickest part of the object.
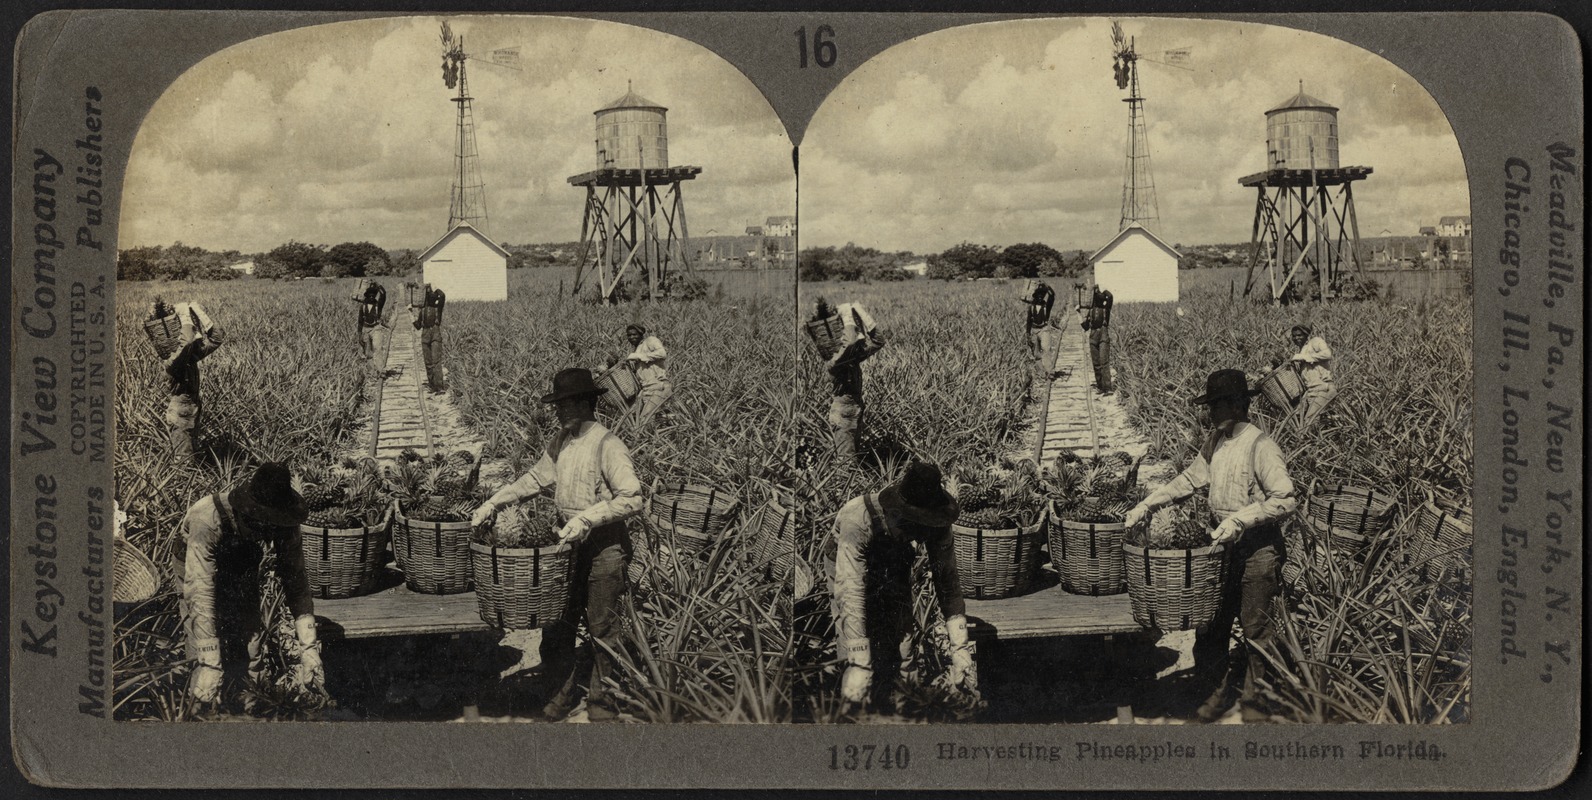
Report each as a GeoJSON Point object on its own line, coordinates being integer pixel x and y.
{"type": "Point", "coordinates": [596, 590]}
{"type": "Point", "coordinates": [1250, 591]}
{"type": "Point", "coordinates": [431, 349]}
{"type": "Point", "coordinates": [1100, 356]}
{"type": "Point", "coordinates": [890, 626]}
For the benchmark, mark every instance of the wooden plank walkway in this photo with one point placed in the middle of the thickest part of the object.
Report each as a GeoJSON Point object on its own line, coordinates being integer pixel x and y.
{"type": "Point", "coordinates": [400, 421]}
{"type": "Point", "coordinates": [1077, 417]}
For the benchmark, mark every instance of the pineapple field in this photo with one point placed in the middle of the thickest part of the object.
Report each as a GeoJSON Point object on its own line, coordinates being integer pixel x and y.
{"type": "Point", "coordinates": [709, 638]}
{"type": "Point", "coordinates": [1374, 631]}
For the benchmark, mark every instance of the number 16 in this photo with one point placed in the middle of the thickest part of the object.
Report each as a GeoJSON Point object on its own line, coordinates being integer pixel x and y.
{"type": "Point", "coordinates": [823, 45]}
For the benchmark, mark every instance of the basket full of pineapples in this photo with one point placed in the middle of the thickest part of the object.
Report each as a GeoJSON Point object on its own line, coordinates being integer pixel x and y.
{"type": "Point", "coordinates": [522, 572]}
{"type": "Point", "coordinates": [1000, 534]}
{"type": "Point", "coordinates": [431, 526]}
{"type": "Point", "coordinates": [1175, 573]}
{"type": "Point", "coordinates": [1088, 501]}
{"type": "Point", "coordinates": [345, 537]}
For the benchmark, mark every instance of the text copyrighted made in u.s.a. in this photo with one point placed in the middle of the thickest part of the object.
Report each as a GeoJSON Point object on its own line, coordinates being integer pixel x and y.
{"type": "Point", "coordinates": [1085, 399]}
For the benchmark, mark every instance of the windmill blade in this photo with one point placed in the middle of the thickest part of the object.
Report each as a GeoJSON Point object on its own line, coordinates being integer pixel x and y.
{"type": "Point", "coordinates": [1119, 42]}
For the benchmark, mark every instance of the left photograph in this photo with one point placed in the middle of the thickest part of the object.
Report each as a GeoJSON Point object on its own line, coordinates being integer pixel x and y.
{"type": "Point", "coordinates": [453, 370]}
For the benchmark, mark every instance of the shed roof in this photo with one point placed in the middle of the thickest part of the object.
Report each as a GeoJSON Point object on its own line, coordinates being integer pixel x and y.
{"type": "Point", "coordinates": [460, 229]}
{"type": "Point", "coordinates": [1453, 220]}
{"type": "Point", "coordinates": [1123, 234]}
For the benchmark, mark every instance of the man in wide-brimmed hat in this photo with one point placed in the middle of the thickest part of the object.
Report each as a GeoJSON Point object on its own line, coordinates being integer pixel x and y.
{"type": "Point", "coordinates": [870, 583]}
{"type": "Point", "coordinates": [1242, 471]}
{"type": "Point", "coordinates": [1097, 321]}
{"type": "Point", "coordinates": [594, 485]}
{"type": "Point", "coordinates": [224, 537]}
{"type": "Point", "coordinates": [647, 359]}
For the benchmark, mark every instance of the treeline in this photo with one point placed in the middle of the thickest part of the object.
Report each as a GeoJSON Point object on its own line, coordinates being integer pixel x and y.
{"type": "Point", "coordinates": [852, 263]}
{"type": "Point", "coordinates": [300, 260]}
{"type": "Point", "coordinates": [965, 261]}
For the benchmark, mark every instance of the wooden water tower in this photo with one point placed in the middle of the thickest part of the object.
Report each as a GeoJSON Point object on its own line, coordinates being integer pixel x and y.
{"type": "Point", "coordinates": [1305, 233]}
{"type": "Point", "coordinates": [634, 220]}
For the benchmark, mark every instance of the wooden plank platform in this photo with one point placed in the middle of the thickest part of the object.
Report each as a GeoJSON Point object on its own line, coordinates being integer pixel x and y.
{"type": "Point", "coordinates": [397, 611]}
{"type": "Point", "coordinates": [1050, 612]}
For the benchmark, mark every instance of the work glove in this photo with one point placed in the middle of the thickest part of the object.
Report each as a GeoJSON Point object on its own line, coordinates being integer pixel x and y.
{"type": "Point", "coordinates": [310, 672]}
{"type": "Point", "coordinates": [483, 514]}
{"type": "Point", "coordinates": [1136, 515]}
{"type": "Point", "coordinates": [1227, 532]}
{"type": "Point", "coordinates": [854, 683]}
{"type": "Point", "coordinates": [961, 670]}
{"type": "Point", "coordinates": [204, 685]}
{"type": "Point", "coordinates": [574, 530]}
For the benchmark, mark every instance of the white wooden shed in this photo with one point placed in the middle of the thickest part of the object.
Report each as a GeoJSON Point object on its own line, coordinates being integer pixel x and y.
{"type": "Point", "coordinates": [467, 265]}
{"type": "Point", "coordinates": [1137, 267]}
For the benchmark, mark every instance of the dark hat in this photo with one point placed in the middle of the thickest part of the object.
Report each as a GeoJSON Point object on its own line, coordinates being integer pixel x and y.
{"type": "Point", "coordinates": [1223, 384]}
{"type": "Point", "coordinates": [269, 498]}
{"type": "Point", "coordinates": [1304, 329]}
{"type": "Point", "coordinates": [921, 497]}
{"type": "Point", "coordinates": [572, 382]}
{"type": "Point", "coordinates": [633, 327]}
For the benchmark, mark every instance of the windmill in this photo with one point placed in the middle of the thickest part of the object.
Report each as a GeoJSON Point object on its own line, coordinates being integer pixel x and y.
{"type": "Point", "coordinates": [467, 201]}
{"type": "Point", "coordinates": [1138, 186]}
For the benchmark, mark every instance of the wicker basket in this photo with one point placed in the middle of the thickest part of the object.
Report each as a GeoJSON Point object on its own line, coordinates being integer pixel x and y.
{"type": "Point", "coordinates": [434, 556]}
{"type": "Point", "coordinates": [1283, 387]}
{"type": "Point", "coordinates": [521, 588]}
{"type": "Point", "coordinates": [653, 555]}
{"type": "Point", "coordinates": [1175, 590]}
{"type": "Point", "coordinates": [134, 576]}
{"type": "Point", "coordinates": [165, 334]}
{"type": "Point", "coordinates": [344, 562]}
{"type": "Point", "coordinates": [621, 384]}
{"type": "Point", "coordinates": [829, 334]}
{"type": "Point", "coordinates": [1442, 540]}
{"type": "Point", "coordinates": [697, 515]}
{"type": "Point", "coordinates": [775, 548]}
{"type": "Point", "coordinates": [1351, 515]}
{"type": "Point", "coordinates": [1088, 556]}
{"type": "Point", "coordinates": [993, 564]}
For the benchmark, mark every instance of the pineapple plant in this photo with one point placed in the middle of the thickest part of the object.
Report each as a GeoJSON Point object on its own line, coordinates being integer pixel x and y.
{"type": "Point", "coordinates": [1098, 490]}
{"type": "Point", "coordinates": [991, 500]}
{"type": "Point", "coordinates": [343, 497]}
{"type": "Point", "coordinates": [443, 489]}
{"type": "Point", "coordinates": [532, 524]}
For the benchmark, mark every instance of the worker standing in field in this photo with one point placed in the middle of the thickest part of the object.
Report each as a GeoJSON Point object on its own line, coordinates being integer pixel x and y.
{"type": "Point", "coordinates": [1241, 470]}
{"type": "Point", "coordinates": [224, 538]}
{"type": "Point", "coordinates": [845, 373]}
{"type": "Point", "coordinates": [647, 359]}
{"type": "Point", "coordinates": [372, 303]}
{"type": "Point", "coordinates": [1097, 321]}
{"type": "Point", "coordinates": [589, 471]}
{"type": "Point", "coordinates": [428, 320]}
{"type": "Point", "coordinates": [1039, 303]}
{"type": "Point", "coordinates": [1314, 362]}
{"type": "Point", "coordinates": [870, 582]}
{"type": "Point", "coordinates": [183, 410]}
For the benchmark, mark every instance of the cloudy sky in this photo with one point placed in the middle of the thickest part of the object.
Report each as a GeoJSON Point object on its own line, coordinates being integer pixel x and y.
{"type": "Point", "coordinates": [1015, 132]}
{"type": "Point", "coordinates": [345, 132]}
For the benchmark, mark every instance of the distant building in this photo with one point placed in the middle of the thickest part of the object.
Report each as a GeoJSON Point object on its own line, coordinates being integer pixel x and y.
{"type": "Point", "coordinates": [918, 268]}
{"type": "Point", "coordinates": [754, 230]}
{"type": "Point", "coordinates": [780, 226]}
{"type": "Point", "coordinates": [1137, 267]}
{"type": "Point", "coordinates": [242, 267]}
{"type": "Point", "coordinates": [1453, 226]}
{"type": "Point", "coordinates": [1428, 230]}
{"type": "Point", "coordinates": [467, 265]}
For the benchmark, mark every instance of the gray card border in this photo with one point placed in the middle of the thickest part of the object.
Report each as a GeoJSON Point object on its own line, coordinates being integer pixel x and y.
{"type": "Point", "coordinates": [1511, 84]}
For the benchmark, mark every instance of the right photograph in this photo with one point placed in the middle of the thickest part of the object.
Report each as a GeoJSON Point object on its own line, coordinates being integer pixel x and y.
{"type": "Point", "coordinates": [1137, 383]}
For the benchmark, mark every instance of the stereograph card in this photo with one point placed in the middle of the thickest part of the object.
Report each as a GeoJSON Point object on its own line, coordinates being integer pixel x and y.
{"type": "Point", "coordinates": [802, 400]}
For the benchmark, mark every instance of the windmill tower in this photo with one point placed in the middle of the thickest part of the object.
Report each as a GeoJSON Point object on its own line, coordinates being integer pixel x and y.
{"type": "Point", "coordinates": [1305, 232]}
{"type": "Point", "coordinates": [1138, 186]}
{"type": "Point", "coordinates": [634, 219]}
{"type": "Point", "coordinates": [467, 200]}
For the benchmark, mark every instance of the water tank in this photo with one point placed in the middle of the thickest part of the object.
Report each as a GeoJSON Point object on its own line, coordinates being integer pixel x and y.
{"type": "Point", "coordinates": [632, 133]}
{"type": "Point", "coordinates": [1302, 133]}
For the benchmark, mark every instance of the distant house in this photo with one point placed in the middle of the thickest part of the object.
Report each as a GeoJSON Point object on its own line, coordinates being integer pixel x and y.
{"type": "Point", "coordinates": [1137, 267]}
{"type": "Point", "coordinates": [919, 268]}
{"type": "Point", "coordinates": [780, 226]}
{"type": "Point", "coordinates": [1428, 230]}
{"type": "Point", "coordinates": [754, 230]}
{"type": "Point", "coordinates": [1453, 226]}
{"type": "Point", "coordinates": [467, 265]}
{"type": "Point", "coordinates": [242, 267]}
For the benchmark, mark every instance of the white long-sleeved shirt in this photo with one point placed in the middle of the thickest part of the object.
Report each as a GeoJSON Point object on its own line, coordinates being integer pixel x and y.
{"type": "Point", "coordinates": [1244, 472]}
{"type": "Point", "coordinates": [649, 357]}
{"type": "Point", "coordinates": [590, 473]}
{"type": "Point", "coordinates": [1315, 361]}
